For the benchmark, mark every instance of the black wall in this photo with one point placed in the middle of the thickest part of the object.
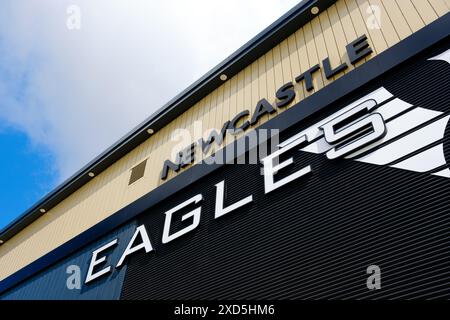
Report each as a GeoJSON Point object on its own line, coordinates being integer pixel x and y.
{"type": "Point", "coordinates": [315, 237]}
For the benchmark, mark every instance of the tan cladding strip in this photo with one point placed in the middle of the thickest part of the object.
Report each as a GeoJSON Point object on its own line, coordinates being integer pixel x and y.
{"type": "Point", "coordinates": [325, 36]}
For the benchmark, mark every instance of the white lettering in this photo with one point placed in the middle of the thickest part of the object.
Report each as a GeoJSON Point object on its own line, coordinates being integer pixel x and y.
{"type": "Point", "coordinates": [94, 262]}
{"type": "Point", "coordinates": [220, 195]}
{"type": "Point", "coordinates": [270, 169]}
{"type": "Point", "coordinates": [146, 244]}
{"type": "Point", "coordinates": [195, 214]}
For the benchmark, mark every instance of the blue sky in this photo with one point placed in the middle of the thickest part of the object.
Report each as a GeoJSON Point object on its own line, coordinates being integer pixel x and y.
{"type": "Point", "coordinates": [26, 174]}
{"type": "Point", "coordinates": [66, 94]}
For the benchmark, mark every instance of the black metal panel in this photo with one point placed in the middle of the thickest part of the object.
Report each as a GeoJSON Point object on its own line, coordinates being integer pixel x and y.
{"type": "Point", "coordinates": [315, 237]}
{"type": "Point", "coordinates": [51, 284]}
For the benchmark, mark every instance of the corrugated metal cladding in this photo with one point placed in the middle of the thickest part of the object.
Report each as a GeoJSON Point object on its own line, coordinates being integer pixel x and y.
{"type": "Point", "coordinates": [326, 35]}
{"type": "Point", "coordinates": [51, 283]}
{"type": "Point", "coordinates": [315, 237]}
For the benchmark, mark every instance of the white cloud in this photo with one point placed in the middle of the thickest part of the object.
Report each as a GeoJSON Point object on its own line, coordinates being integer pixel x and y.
{"type": "Point", "coordinates": [76, 92]}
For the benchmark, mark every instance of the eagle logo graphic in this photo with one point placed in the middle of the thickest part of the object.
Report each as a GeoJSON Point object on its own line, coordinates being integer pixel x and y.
{"type": "Point", "coordinates": [408, 137]}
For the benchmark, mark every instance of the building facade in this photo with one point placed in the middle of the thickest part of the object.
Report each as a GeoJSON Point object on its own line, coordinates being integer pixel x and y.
{"type": "Point", "coordinates": [327, 164]}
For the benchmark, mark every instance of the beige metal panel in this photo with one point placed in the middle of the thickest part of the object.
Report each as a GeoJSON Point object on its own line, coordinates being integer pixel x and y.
{"type": "Point", "coordinates": [160, 154]}
{"type": "Point", "coordinates": [217, 111]}
{"type": "Point", "coordinates": [225, 107]}
{"type": "Point", "coordinates": [425, 10]}
{"type": "Point", "coordinates": [331, 18]}
{"type": "Point", "coordinates": [330, 42]}
{"type": "Point", "coordinates": [153, 156]}
{"type": "Point", "coordinates": [277, 70]}
{"type": "Point", "coordinates": [286, 62]}
{"type": "Point", "coordinates": [295, 67]}
{"type": "Point", "coordinates": [233, 100]}
{"type": "Point", "coordinates": [321, 48]}
{"type": "Point", "coordinates": [240, 103]}
{"type": "Point", "coordinates": [243, 94]}
{"type": "Point", "coordinates": [312, 55]}
{"type": "Point", "coordinates": [411, 15]}
{"type": "Point", "coordinates": [346, 20]}
{"type": "Point", "coordinates": [439, 7]}
{"type": "Point", "coordinates": [247, 90]}
{"type": "Point", "coordinates": [378, 41]}
{"type": "Point", "coordinates": [397, 18]}
{"type": "Point", "coordinates": [389, 32]}
{"type": "Point", "coordinates": [302, 56]}
{"type": "Point", "coordinates": [270, 76]}
{"type": "Point", "coordinates": [262, 83]}
{"type": "Point", "coordinates": [168, 143]}
{"type": "Point", "coordinates": [254, 93]}
{"type": "Point", "coordinates": [325, 36]}
{"type": "Point", "coordinates": [220, 108]}
{"type": "Point", "coordinates": [360, 24]}
{"type": "Point", "coordinates": [197, 115]}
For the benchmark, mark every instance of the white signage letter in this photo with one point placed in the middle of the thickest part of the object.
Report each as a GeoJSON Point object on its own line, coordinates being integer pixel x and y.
{"type": "Point", "coordinates": [270, 169]}
{"type": "Point", "coordinates": [341, 134]}
{"type": "Point", "coordinates": [146, 244]}
{"type": "Point", "coordinates": [220, 195]}
{"type": "Point", "coordinates": [195, 214]}
{"type": "Point", "coordinates": [94, 262]}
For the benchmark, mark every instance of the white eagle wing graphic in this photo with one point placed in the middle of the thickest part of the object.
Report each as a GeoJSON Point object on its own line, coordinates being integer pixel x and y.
{"type": "Point", "coordinates": [411, 141]}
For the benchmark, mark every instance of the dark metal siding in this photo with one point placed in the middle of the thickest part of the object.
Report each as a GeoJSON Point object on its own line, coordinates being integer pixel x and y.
{"type": "Point", "coordinates": [315, 237]}
{"type": "Point", "coordinates": [51, 283]}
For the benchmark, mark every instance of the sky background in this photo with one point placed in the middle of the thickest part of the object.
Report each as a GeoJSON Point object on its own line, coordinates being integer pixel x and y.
{"type": "Point", "coordinates": [66, 94]}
